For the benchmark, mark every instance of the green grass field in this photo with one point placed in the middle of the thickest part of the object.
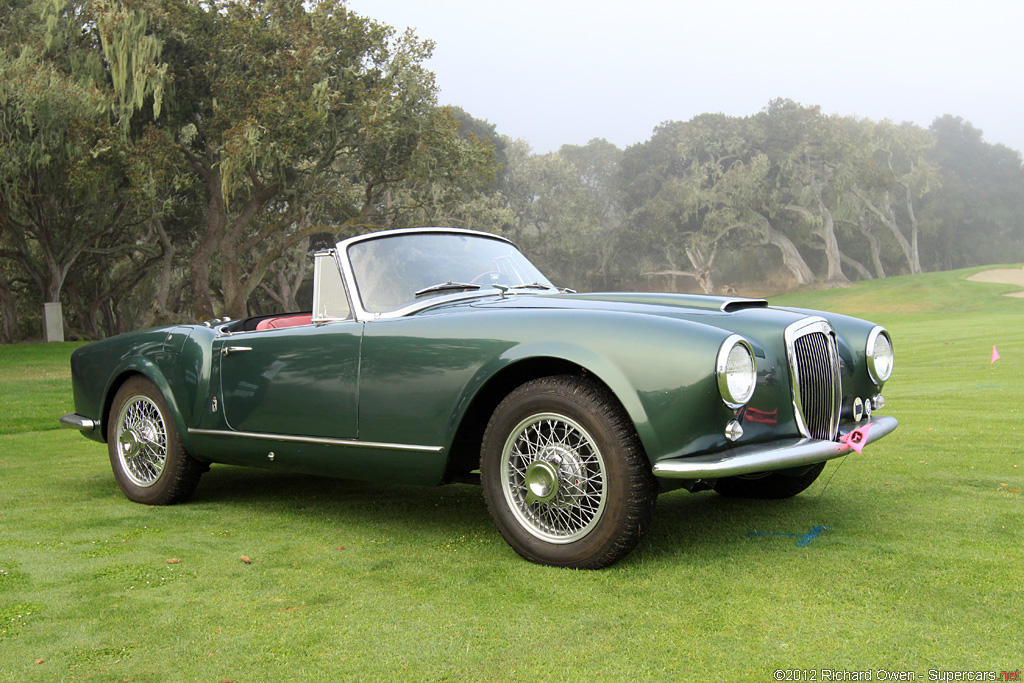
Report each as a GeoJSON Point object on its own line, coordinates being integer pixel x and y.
{"type": "Point", "coordinates": [919, 568]}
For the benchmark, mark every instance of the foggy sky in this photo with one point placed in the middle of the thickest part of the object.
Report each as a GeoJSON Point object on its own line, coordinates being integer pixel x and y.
{"type": "Point", "coordinates": [560, 72]}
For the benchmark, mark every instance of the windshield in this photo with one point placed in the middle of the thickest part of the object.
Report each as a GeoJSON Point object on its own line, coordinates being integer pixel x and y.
{"type": "Point", "coordinates": [389, 271]}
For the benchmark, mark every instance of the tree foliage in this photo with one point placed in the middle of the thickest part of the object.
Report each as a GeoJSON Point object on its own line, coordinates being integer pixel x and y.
{"type": "Point", "coordinates": [63, 174]}
{"type": "Point", "coordinates": [197, 144]}
{"type": "Point", "coordinates": [298, 116]}
{"type": "Point", "coordinates": [180, 159]}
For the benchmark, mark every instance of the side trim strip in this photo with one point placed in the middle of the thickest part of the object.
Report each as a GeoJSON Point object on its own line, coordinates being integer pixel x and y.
{"type": "Point", "coordinates": [775, 455]}
{"type": "Point", "coordinates": [318, 440]}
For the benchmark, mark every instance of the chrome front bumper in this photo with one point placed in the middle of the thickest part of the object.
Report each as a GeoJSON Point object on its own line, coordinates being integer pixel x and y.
{"type": "Point", "coordinates": [79, 422]}
{"type": "Point", "coordinates": [773, 455]}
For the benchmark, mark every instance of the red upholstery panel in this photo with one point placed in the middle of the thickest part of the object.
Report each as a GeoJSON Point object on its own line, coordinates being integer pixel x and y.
{"type": "Point", "coordinates": [285, 321]}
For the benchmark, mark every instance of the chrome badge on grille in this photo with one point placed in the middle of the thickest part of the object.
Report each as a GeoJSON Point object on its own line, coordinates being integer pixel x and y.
{"type": "Point", "coordinates": [814, 370]}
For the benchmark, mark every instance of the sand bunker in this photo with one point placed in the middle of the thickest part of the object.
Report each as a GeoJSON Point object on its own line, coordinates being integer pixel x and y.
{"type": "Point", "coordinates": [1002, 276]}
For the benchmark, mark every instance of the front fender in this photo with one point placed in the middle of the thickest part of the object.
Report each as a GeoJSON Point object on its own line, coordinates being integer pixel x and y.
{"type": "Point", "coordinates": [660, 369]}
{"type": "Point", "coordinates": [602, 367]}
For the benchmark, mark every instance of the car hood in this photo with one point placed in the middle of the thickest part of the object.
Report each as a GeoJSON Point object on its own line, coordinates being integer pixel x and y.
{"type": "Point", "coordinates": [718, 311]}
{"type": "Point", "coordinates": [648, 303]}
{"type": "Point", "coordinates": [643, 301]}
{"type": "Point", "coordinates": [753, 318]}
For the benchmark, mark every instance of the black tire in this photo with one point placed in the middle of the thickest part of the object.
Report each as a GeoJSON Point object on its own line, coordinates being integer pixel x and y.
{"type": "Point", "coordinates": [564, 475]}
{"type": "Point", "coordinates": [146, 454]}
{"type": "Point", "coordinates": [769, 485]}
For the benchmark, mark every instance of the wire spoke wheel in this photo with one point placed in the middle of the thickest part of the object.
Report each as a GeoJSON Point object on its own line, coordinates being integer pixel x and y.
{"type": "Point", "coordinates": [564, 475]}
{"type": "Point", "coordinates": [142, 441]}
{"type": "Point", "coordinates": [553, 477]}
{"type": "Point", "coordinates": [149, 461]}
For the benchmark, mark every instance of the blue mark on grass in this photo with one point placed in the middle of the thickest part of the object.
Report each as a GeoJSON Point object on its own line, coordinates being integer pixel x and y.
{"type": "Point", "coordinates": [805, 539]}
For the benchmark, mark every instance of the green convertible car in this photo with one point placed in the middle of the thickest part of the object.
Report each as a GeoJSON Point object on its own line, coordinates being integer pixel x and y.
{"type": "Point", "coordinates": [438, 355]}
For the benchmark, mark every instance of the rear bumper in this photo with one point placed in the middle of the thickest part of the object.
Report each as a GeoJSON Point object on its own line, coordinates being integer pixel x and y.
{"type": "Point", "coordinates": [80, 422]}
{"type": "Point", "coordinates": [773, 455]}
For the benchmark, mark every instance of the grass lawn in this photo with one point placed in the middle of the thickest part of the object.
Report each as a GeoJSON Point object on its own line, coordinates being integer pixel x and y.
{"type": "Point", "coordinates": [918, 568]}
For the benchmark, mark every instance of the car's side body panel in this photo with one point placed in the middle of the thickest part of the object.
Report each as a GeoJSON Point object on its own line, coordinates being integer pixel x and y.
{"type": "Point", "coordinates": [384, 399]}
{"type": "Point", "coordinates": [301, 380]}
{"type": "Point", "coordinates": [385, 395]}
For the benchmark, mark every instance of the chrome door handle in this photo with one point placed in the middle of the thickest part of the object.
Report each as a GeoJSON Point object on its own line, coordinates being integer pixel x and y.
{"type": "Point", "coordinates": [228, 350]}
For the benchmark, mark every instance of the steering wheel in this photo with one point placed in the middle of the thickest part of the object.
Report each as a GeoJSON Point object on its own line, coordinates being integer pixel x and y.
{"type": "Point", "coordinates": [489, 277]}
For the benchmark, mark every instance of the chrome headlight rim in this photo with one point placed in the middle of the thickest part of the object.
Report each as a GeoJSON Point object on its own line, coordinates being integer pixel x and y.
{"type": "Point", "coordinates": [722, 371]}
{"type": "Point", "coordinates": [871, 354]}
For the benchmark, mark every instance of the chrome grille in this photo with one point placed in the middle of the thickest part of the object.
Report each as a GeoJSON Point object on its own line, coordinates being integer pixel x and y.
{"type": "Point", "coordinates": [814, 367]}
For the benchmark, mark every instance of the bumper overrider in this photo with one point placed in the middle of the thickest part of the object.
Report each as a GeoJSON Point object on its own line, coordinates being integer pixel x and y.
{"type": "Point", "coordinates": [79, 422]}
{"type": "Point", "coordinates": [773, 455]}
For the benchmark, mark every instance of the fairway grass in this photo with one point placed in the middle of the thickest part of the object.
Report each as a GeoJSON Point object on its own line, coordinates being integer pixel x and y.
{"type": "Point", "coordinates": [35, 384]}
{"type": "Point", "coordinates": [918, 566]}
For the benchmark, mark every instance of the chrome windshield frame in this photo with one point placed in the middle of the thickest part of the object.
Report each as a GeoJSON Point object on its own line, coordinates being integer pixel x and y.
{"type": "Point", "coordinates": [352, 287]}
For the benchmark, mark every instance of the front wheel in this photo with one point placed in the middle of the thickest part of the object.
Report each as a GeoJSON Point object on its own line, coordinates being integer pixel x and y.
{"type": "Point", "coordinates": [564, 475]}
{"type": "Point", "coordinates": [146, 453]}
{"type": "Point", "coordinates": [769, 485]}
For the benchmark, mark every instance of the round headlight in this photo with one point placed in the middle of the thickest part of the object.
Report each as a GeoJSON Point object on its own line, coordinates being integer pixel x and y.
{"type": "Point", "coordinates": [879, 355]}
{"type": "Point", "coordinates": [737, 371]}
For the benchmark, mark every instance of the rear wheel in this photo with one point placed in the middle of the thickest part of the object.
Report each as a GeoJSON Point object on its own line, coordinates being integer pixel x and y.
{"type": "Point", "coordinates": [769, 485]}
{"type": "Point", "coordinates": [146, 454]}
{"type": "Point", "coordinates": [564, 475]}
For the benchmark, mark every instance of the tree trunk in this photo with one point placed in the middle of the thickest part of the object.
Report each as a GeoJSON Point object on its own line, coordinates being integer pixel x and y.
{"type": "Point", "coordinates": [216, 220]}
{"type": "Point", "coordinates": [8, 315]}
{"type": "Point", "coordinates": [874, 243]}
{"type": "Point", "coordinates": [791, 257]}
{"type": "Point", "coordinates": [226, 235]}
{"type": "Point", "coordinates": [826, 231]}
{"type": "Point", "coordinates": [289, 271]}
{"type": "Point", "coordinates": [888, 219]}
{"type": "Point", "coordinates": [231, 284]}
{"type": "Point", "coordinates": [702, 268]}
{"type": "Point", "coordinates": [915, 264]}
{"type": "Point", "coordinates": [163, 287]}
{"type": "Point", "coordinates": [864, 273]}
{"type": "Point", "coordinates": [290, 285]}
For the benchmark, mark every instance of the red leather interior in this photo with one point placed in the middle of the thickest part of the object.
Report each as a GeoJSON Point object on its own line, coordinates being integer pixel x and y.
{"type": "Point", "coordinates": [285, 321]}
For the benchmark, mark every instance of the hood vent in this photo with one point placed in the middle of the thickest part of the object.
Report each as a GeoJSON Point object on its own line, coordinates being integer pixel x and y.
{"type": "Point", "coordinates": [733, 305]}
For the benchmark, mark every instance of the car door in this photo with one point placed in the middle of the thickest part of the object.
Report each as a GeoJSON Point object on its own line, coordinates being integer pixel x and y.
{"type": "Point", "coordinates": [300, 381]}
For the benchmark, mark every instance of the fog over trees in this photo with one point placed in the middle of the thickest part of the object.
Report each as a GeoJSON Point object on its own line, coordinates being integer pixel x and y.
{"type": "Point", "coordinates": [171, 160]}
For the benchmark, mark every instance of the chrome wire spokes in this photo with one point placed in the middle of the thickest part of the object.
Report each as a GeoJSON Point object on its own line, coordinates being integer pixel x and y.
{"type": "Point", "coordinates": [553, 477]}
{"type": "Point", "coordinates": [142, 441]}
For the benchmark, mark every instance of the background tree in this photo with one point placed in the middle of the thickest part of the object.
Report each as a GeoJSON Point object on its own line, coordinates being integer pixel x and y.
{"type": "Point", "coordinates": [893, 176]}
{"type": "Point", "coordinates": [978, 217]}
{"type": "Point", "coordinates": [806, 154]}
{"type": "Point", "coordinates": [547, 204]}
{"type": "Point", "coordinates": [597, 165]}
{"type": "Point", "coordinates": [63, 184]}
{"type": "Point", "coordinates": [163, 161]}
{"type": "Point", "coordinates": [296, 117]}
{"type": "Point", "coordinates": [81, 80]}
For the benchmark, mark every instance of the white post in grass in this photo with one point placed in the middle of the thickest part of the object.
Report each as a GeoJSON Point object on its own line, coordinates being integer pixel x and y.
{"type": "Point", "coordinates": [53, 321]}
